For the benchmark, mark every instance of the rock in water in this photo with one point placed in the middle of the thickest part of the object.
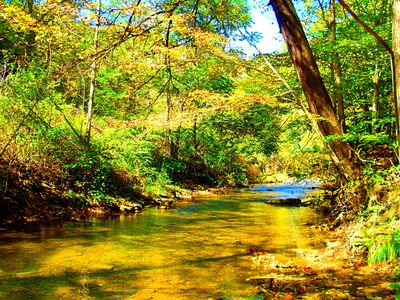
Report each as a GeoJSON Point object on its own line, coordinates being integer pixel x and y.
{"type": "Point", "coordinates": [284, 201]}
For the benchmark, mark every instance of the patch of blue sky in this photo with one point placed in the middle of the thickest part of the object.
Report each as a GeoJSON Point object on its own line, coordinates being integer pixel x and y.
{"type": "Point", "coordinates": [264, 23]}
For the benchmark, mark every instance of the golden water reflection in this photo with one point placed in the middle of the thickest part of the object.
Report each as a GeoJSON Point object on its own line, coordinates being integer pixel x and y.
{"type": "Point", "coordinates": [198, 250]}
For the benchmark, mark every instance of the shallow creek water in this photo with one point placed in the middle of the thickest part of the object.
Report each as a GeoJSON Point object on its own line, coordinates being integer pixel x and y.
{"type": "Point", "coordinates": [199, 249]}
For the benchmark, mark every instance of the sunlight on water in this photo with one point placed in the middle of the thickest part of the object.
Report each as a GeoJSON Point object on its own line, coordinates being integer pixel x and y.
{"type": "Point", "coordinates": [198, 250]}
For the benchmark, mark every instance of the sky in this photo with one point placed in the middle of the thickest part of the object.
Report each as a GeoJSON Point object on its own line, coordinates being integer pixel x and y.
{"type": "Point", "coordinates": [264, 23]}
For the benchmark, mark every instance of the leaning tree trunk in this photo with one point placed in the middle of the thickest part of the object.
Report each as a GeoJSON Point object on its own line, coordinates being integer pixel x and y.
{"type": "Point", "coordinates": [314, 89]}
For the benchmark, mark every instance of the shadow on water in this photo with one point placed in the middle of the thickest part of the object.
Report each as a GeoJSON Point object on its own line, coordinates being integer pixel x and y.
{"type": "Point", "coordinates": [30, 285]}
{"type": "Point", "coordinates": [198, 250]}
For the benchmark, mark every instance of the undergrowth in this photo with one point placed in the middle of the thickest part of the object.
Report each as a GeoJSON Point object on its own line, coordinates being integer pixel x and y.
{"type": "Point", "coordinates": [384, 247]}
{"type": "Point", "coordinates": [376, 230]}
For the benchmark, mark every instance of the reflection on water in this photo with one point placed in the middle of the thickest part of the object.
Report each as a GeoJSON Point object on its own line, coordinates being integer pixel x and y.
{"type": "Point", "coordinates": [198, 250]}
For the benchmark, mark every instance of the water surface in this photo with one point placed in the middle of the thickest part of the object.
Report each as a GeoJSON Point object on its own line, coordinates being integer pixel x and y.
{"type": "Point", "coordinates": [200, 249]}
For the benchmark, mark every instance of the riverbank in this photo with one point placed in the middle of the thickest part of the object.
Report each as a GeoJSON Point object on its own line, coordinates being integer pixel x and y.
{"type": "Point", "coordinates": [333, 272]}
{"type": "Point", "coordinates": [360, 259]}
{"type": "Point", "coordinates": [41, 190]}
{"type": "Point", "coordinates": [42, 203]}
{"type": "Point", "coordinates": [39, 209]}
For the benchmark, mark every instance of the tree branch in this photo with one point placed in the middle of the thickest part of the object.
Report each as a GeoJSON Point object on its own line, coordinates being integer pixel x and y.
{"type": "Point", "coordinates": [366, 27]}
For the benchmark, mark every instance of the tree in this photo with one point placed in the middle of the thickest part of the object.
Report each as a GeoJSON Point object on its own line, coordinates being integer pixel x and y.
{"type": "Point", "coordinates": [314, 89]}
{"type": "Point", "coordinates": [337, 69]}
{"type": "Point", "coordinates": [93, 69]}
{"type": "Point", "coordinates": [396, 65]}
{"type": "Point", "coordinates": [365, 65]}
{"type": "Point", "coordinates": [392, 53]}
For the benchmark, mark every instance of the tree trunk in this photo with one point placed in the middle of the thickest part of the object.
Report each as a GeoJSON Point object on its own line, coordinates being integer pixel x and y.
{"type": "Point", "coordinates": [172, 140]}
{"type": "Point", "coordinates": [30, 38]}
{"type": "Point", "coordinates": [195, 141]}
{"type": "Point", "coordinates": [314, 89]}
{"type": "Point", "coordinates": [396, 68]}
{"type": "Point", "coordinates": [338, 86]}
{"type": "Point", "coordinates": [93, 69]}
{"type": "Point", "coordinates": [376, 105]}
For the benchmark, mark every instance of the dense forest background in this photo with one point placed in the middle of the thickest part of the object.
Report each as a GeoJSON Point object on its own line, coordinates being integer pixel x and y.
{"type": "Point", "coordinates": [103, 102]}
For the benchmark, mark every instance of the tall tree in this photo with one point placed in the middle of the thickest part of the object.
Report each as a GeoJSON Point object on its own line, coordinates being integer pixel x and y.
{"type": "Point", "coordinates": [314, 89]}
{"type": "Point", "coordinates": [337, 69]}
{"type": "Point", "coordinates": [396, 65]}
{"type": "Point", "coordinates": [93, 69]}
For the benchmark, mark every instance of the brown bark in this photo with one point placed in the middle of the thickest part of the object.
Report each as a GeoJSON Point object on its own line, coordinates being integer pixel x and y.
{"type": "Point", "coordinates": [396, 68]}
{"type": "Point", "coordinates": [314, 88]}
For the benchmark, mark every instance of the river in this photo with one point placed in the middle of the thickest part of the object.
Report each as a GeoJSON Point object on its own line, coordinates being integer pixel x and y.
{"type": "Point", "coordinates": [200, 249]}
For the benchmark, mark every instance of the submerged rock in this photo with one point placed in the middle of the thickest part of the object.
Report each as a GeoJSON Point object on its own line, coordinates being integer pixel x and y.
{"type": "Point", "coordinates": [284, 201]}
{"type": "Point", "coordinates": [130, 207]}
{"type": "Point", "coordinates": [183, 196]}
{"type": "Point", "coordinates": [124, 206]}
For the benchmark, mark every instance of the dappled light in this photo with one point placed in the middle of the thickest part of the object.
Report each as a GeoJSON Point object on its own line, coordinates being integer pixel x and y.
{"type": "Point", "coordinates": [144, 154]}
{"type": "Point", "coordinates": [199, 249]}
{"type": "Point", "coordinates": [228, 246]}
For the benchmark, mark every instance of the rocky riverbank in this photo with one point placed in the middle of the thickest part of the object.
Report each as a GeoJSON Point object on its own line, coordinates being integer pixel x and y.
{"type": "Point", "coordinates": [45, 211]}
{"type": "Point", "coordinates": [331, 273]}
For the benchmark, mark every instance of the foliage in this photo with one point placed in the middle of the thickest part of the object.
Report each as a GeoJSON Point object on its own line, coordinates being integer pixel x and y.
{"type": "Point", "coordinates": [395, 286]}
{"type": "Point", "coordinates": [364, 63]}
{"type": "Point", "coordinates": [386, 248]}
{"type": "Point", "coordinates": [218, 148]}
{"type": "Point", "coordinates": [173, 106]}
